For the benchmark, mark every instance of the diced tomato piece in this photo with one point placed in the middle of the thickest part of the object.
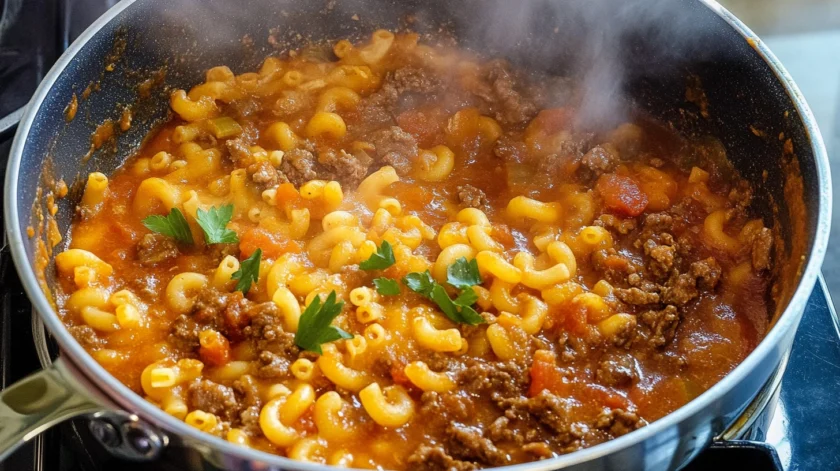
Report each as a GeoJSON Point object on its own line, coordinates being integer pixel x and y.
{"type": "Point", "coordinates": [287, 195]}
{"type": "Point", "coordinates": [576, 319]}
{"type": "Point", "coordinates": [621, 194]}
{"type": "Point", "coordinates": [272, 245]}
{"type": "Point", "coordinates": [546, 376]}
{"type": "Point", "coordinates": [214, 348]}
{"type": "Point", "coordinates": [288, 198]}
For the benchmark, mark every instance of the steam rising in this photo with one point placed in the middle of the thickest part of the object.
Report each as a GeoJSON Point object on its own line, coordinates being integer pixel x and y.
{"type": "Point", "coordinates": [588, 40]}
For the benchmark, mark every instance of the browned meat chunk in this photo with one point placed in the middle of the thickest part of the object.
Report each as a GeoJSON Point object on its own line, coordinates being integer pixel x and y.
{"type": "Point", "coordinates": [402, 89]}
{"type": "Point", "coordinates": [662, 324]}
{"type": "Point", "coordinates": [414, 80]}
{"type": "Point", "coordinates": [658, 222]}
{"type": "Point", "coordinates": [540, 450]}
{"type": "Point", "coordinates": [347, 169]}
{"type": "Point", "coordinates": [620, 225]}
{"type": "Point", "coordinates": [502, 430]}
{"type": "Point", "coordinates": [435, 458]}
{"type": "Point", "coordinates": [441, 408]}
{"type": "Point", "coordinates": [600, 159]}
{"type": "Point", "coordinates": [248, 392]}
{"type": "Point", "coordinates": [395, 147]}
{"type": "Point", "coordinates": [510, 149]}
{"type": "Point", "coordinates": [264, 175]}
{"type": "Point", "coordinates": [154, 249]}
{"type": "Point", "coordinates": [273, 365]}
{"type": "Point", "coordinates": [299, 166]}
{"type": "Point", "coordinates": [471, 197]}
{"type": "Point", "coordinates": [567, 151]}
{"type": "Point", "coordinates": [661, 258]}
{"type": "Point", "coordinates": [619, 422]}
{"type": "Point", "coordinates": [637, 296]}
{"type": "Point", "coordinates": [276, 346]}
{"type": "Point", "coordinates": [209, 307]}
{"type": "Point", "coordinates": [761, 246]}
{"type": "Point", "coordinates": [214, 398]}
{"type": "Point", "coordinates": [239, 152]}
{"type": "Point", "coordinates": [509, 379]}
{"type": "Point", "coordinates": [680, 290]}
{"type": "Point", "coordinates": [707, 273]}
{"type": "Point", "coordinates": [468, 443]}
{"type": "Point", "coordinates": [502, 93]}
{"type": "Point", "coordinates": [552, 411]}
{"type": "Point", "coordinates": [616, 370]}
{"type": "Point", "coordinates": [184, 334]}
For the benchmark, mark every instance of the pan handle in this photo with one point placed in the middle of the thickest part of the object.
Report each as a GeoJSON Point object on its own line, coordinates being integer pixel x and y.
{"type": "Point", "coordinates": [38, 402]}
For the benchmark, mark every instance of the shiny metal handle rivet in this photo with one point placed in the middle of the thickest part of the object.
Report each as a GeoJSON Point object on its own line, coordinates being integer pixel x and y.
{"type": "Point", "coordinates": [105, 433]}
{"type": "Point", "coordinates": [126, 436]}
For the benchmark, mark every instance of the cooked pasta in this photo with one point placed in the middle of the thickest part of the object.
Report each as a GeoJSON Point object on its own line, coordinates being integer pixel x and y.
{"type": "Point", "coordinates": [406, 257]}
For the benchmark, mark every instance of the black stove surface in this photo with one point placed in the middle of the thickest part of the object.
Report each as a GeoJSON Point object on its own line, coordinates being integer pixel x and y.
{"type": "Point", "coordinates": [800, 432]}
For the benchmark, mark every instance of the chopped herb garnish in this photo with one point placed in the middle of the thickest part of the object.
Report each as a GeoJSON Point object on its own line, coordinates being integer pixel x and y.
{"type": "Point", "coordinates": [420, 283]}
{"type": "Point", "coordinates": [387, 286]}
{"type": "Point", "coordinates": [459, 310]}
{"type": "Point", "coordinates": [173, 225]}
{"type": "Point", "coordinates": [463, 274]}
{"type": "Point", "coordinates": [315, 329]}
{"type": "Point", "coordinates": [455, 312]}
{"type": "Point", "coordinates": [381, 259]}
{"type": "Point", "coordinates": [248, 273]}
{"type": "Point", "coordinates": [214, 223]}
{"type": "Point", "coordinates": [467, 297]}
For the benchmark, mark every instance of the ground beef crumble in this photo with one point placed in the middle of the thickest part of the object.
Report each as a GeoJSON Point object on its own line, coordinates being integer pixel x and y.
{"type": "Point", "coordinates": [155, 249]}
{"type": "Point", "coordinates": [600, 159]}
{"type": "Point", "coordinates": [761, 246]}
{"type": "Point", "coordinates": [435, 458]}
{"type": "Point", "coordinates": [662, 324]}
{"type": "Point", "coordinates": [620, 225]}
{"type": "Point", "coordinates": [502, 92]}
{"type": "Point", "coordinates": [395, 147]}
{"type": "Point", "coordinates": [616, 369]}
{"type": "Point", "coordinates": [619, 422]}
{"type": "Point", "coordinates": [299, 166]}
{"type": "Point", "coordinates": [213, 398]}
{"type": "Point", "coordinates": [469, 443]}
{"type": "Point", "coordinates": [471, 197]}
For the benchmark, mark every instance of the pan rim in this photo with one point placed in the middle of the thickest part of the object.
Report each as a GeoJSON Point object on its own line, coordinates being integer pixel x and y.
{"type": "Point", "coordinates": [125, 398]}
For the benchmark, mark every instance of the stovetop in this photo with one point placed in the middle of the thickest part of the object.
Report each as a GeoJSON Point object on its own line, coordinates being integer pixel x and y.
{"type": "Point", "coordinates": [797, 431]}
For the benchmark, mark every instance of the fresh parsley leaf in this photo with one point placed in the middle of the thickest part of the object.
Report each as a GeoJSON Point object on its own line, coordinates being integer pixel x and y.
{"type": "Point", "coordinates": [463, 274]}
{"type": "Point", "coordinates": [173, 225]}
{"type": "Point", "coordinates": [466, 298]}
{"type": "Point", "coordinates": [470, 316]}
{"type": "Point", "coordinates": [248, 273]}
{"type": "Point", "coordinates": [455, 312]}
{"type": "Point", "coordinates": [420, 283]}
{"type": "Point", "coordinates": [387, 286]}
{"type": "Point", "coordinates": [314, 327]}
{"type": "Point", "coordinates": [214, 223]}
{"type": "Point", "coordinates": [458, 310]}
{"type": "Point", "coordinates": [383, 258]}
